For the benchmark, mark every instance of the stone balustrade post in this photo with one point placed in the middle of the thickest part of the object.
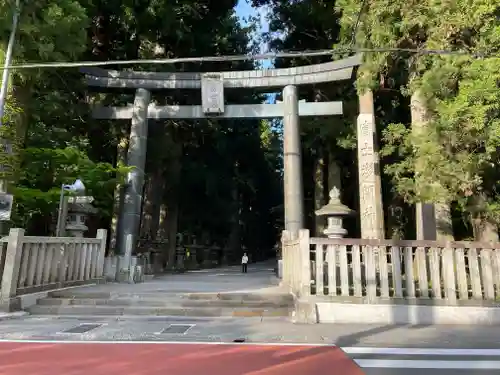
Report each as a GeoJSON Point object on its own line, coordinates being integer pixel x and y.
{"type": "Point", "coordinates": [305, 264]}
{"type": "Point", "coordinates": [12, 264]}
{"type": "Point", "coordinates": [102, 234]}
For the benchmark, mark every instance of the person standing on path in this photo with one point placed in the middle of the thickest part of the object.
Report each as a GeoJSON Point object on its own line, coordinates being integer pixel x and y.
{"type": "Point", "coordinates": [244, 263]}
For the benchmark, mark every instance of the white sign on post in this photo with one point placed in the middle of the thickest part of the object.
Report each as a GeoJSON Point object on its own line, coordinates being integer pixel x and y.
{"type": "Point", "coordinates": [6, 201]}
{"type": "Point", "coordinates": [212, 94]}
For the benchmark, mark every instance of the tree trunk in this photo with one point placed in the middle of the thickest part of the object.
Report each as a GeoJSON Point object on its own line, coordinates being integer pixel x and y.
{"type": "Point", "coordinates": [169, 212]}
{"type": "Point", "coordinates": [319, 192]}
{"type": "Point", "coordinates": [433, 220]}
{"type": "Point", "coordinates": [172, 223]}
{"type": "Point", "coordinates": [147, 204]}
{"type": "Point", "coordinates": [119, 195]}
{"type": "Point", "coordinates": [152, 202]}
{"type": "Point", "coordinates": [485, 230]}
{"type": "Point", "coordinates": [444, 226]}
{"type": "Point", "coordinates": [233, 246]}
{"type": "Point", "coordinates": [396, 219]}
{"type": "Point", "coordinates": [156, 209]}
{"type": "Point", "coordinates": [334, 176]}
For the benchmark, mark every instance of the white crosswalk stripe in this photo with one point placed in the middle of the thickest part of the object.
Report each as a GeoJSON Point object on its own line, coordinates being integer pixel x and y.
{"type": "Point", "coordinates": [425, 358]}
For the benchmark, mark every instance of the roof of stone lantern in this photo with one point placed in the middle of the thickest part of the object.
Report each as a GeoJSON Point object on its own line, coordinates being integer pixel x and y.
{"type": "Point", "coordinates": [334, 206]}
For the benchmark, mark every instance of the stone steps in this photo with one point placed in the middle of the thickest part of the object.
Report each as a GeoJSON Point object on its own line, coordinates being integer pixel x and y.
{"type": "Point", "coordinates": [106, 310]}
{"type": "Point", "coordinates": [73, 302]}
{"type": "Point", "coordinates": [153, 302]}
{"type": "Point", "coordinates": [241, 296]}
{"type": "Point", "coordinates": [73, 293]}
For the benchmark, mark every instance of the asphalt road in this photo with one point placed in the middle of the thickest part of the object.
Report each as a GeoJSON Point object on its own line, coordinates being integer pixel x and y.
{"type": "Point", "coordinates": [191, 358]}
{"type": "Point", "coordinates": [38, 358]}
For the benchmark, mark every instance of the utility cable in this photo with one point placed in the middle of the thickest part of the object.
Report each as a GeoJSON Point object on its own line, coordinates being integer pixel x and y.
{"type": "Point", "coordinates": [263, 56]}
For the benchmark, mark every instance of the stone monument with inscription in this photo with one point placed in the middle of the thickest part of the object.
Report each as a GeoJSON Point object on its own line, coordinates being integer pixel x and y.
{"type": "Point", "coordinates": [370, 189]}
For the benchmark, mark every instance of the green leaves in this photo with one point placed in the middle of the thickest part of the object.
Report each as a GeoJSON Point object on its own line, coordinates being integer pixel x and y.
{"type": "Point", "coordinates": [48, 31]}
{"type": "Point", "coordinates": [44, 170]}
{"type": "Point", "coordinates": [461, 92]}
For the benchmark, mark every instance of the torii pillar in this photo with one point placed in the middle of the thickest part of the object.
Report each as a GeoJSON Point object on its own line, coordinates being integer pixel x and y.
{"type": "Point", "coordinates": [130, 215]}
{"type": "Point", "coordinates": [292, 160]}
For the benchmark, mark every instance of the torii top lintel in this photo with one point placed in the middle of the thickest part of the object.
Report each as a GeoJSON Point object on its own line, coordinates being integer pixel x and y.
{"type": "Point", "coordinates": [302, 75]}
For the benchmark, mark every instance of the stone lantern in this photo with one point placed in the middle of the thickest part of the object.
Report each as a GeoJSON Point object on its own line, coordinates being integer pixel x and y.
{"type": "Point", "coordinates": [79, 207]}
{"type": "Point", "coordinates": [335, 212]}
{"type": "Point", "coordinates": [78, 210]}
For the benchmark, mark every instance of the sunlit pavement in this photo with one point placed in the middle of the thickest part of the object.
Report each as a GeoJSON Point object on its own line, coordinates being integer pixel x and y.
{"type": "Point", "coordinates": [171, 358]}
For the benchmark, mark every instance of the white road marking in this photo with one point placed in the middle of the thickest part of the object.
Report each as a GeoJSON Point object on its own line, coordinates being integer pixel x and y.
{"type": "Point", "coordinates": [428, 364]}
{"type": "Point", "coordinates": [422, 351]}
{"type": "Point", "coordinates": [163, 342]}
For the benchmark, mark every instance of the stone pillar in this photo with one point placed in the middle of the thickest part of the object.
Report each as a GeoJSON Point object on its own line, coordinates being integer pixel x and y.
{"type": "Point", "coordinates": [294, 202]}
{"type": "Point", "coordinates": [136, 158]}
{"type": "Point", "coordinates": [11, 266]}
{"type": "Point", "coordinates": [426, 221]}
{"type": "Point", "coordinates": [370, 190]}
{"type": "Point", "coordinates": [433, 219]}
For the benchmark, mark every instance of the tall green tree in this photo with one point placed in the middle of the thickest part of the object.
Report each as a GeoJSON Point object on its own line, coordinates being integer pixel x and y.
{"type": "Point", "coordinates": [222, 178]}
{"type": "Point", "coordinates": [448, 157]}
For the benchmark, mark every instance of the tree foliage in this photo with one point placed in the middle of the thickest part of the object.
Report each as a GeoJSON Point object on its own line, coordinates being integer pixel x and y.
{"type": "Point", "coordinates": [224, 177]}
{"type": "Point", "coordinates": [60, 142]}
{"type": "Point", "coordinates": [457, 149]}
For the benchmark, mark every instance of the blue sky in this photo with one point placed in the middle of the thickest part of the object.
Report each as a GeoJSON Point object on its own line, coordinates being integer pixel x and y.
{"type": "Point", "coordinates": [244, 10]}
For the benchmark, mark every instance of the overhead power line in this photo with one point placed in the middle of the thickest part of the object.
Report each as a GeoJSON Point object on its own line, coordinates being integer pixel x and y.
{"type": "Point", "coordinates": [262, 56]}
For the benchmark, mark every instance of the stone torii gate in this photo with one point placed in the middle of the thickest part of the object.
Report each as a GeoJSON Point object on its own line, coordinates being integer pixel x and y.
{"type": "Point", "coordinates": [212, 86]}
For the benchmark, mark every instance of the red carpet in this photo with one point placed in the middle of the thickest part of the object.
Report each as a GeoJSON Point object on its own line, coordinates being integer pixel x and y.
{"type": "Point", "coordinates": [172, 359]}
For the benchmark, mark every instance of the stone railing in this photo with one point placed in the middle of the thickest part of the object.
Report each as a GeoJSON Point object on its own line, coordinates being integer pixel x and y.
{"type": "Point", "coordinates": [33, 264]}
{"type": "Point", "coordinates": [452, 272]}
